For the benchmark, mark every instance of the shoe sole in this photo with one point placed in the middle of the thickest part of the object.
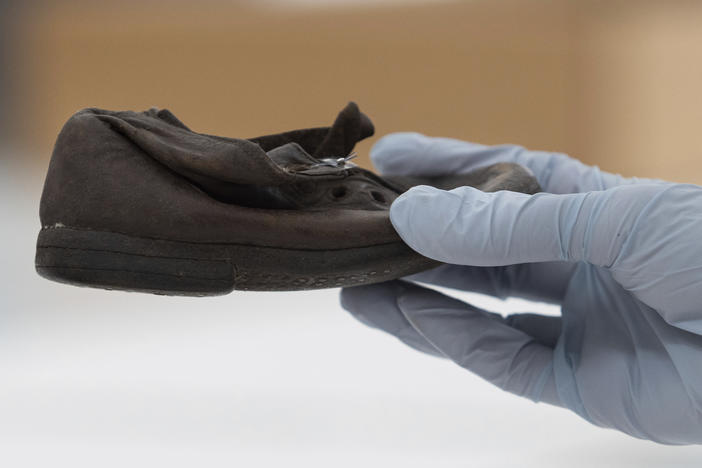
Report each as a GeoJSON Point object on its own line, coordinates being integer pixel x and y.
{"type": "Point", "coordinates": [111, 260]}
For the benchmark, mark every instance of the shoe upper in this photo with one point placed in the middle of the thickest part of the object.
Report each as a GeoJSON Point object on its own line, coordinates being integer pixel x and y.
{"type": "Point", "coordinates": [147, 174]}
{"type": "Point", "coordinates": [302, 170]}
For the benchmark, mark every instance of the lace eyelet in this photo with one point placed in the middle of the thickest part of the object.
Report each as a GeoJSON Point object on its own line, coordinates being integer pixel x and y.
{"type": "Point", "coordinates": [339, 192]}
{"type": "Point", "coordinates": [377, 196]}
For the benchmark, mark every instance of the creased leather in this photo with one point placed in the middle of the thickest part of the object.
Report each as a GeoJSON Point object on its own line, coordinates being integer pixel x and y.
{"type": "Point", "coordinates": [146, 174]}
{"type": "Point", "coordinates": [240, 172]}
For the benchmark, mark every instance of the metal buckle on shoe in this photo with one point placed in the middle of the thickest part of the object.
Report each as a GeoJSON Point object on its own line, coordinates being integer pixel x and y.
{"type": "Point", "coordinates": [337, 162]}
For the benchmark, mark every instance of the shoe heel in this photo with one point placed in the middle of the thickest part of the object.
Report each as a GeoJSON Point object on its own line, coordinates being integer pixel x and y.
{"type": "Point", "coordinates": [116, 261]}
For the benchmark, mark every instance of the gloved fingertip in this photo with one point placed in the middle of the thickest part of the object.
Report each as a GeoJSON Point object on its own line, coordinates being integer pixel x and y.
{"type": "Point", "coordinates": [356, 298]}
{"type": "Point", "coordinates": [347, 298]}
{"type": "Point", "coordinates": [427, 219]}
{"type": "Point", "coordinates": [417, 198]}
{"type": "Point", "coordinates": [364, 300]}
{"type": "Point", "coordinates": [394, 152]}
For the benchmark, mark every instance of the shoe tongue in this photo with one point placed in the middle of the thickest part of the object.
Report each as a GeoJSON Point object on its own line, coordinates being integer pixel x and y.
{"type": "Point", "coordinates": [330, 153]}
{"type": "Point", "coordinates": [350, 126]}
{"type": "Point", "coordinates": [337, 141]}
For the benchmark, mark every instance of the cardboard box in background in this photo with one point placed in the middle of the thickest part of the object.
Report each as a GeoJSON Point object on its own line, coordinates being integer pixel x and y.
{"type": "Point", "coordinates": [614, 83]}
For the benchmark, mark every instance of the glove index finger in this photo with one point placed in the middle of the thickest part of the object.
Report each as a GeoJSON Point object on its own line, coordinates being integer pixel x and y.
{"type": "Point", "coordinates": [414, 154]}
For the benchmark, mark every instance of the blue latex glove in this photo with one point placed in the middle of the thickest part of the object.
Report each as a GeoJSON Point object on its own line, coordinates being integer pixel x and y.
{"type": "Point", "coordinates": [623, 258]}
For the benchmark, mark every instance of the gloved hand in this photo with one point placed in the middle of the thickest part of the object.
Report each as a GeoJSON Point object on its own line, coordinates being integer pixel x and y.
{"type": "Point", "coordinates": [623, 258]}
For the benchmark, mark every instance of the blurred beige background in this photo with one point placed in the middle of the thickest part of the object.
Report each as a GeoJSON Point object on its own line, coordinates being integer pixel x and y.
{"type": "Point", "coordinates": [615, 83]}
{"type": "Point", "coordinates": [92, 378]}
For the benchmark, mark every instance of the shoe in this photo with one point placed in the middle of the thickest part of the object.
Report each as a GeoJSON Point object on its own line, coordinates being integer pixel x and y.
{"type": "Point", "coordinates": [137, 201]}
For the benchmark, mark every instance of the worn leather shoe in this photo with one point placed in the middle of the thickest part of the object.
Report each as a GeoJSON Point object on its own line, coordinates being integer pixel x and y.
{"type": "Point", "coordinates": [137, 201]}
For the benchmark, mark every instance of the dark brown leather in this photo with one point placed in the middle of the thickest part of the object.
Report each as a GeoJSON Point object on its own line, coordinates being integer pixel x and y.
{"type": "Point", "coordinates": [146, 174]}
